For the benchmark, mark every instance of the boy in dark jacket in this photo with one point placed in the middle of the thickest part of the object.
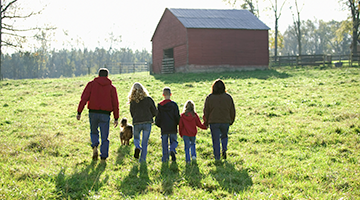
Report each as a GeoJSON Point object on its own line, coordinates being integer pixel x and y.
{"type": "Point", "coordinates": [167, 119]}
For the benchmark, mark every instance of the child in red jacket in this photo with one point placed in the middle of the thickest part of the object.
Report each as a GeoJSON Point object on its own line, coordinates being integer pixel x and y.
{"type": "Point", "coordinates": [189, 120]}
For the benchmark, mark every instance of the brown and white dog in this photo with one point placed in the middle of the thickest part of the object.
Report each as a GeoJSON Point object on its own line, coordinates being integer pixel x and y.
{"type": "Point", "coordinates": [126, 132]}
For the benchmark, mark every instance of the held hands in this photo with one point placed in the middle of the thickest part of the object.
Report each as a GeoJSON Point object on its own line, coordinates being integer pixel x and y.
{"type": "Point", "coordinates": [78, 117]}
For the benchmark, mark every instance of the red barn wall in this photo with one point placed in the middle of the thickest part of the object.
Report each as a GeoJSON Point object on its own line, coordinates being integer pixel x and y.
{"type": "Point", "coordinates": [226, 48]}
{"type": "Point", "coordinates": [170, 33]}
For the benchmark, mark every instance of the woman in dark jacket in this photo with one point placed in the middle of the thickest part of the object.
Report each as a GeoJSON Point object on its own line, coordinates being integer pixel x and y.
{"type": "Point", "coordinates": [219, 113]}
{"type": "Point", "coordinates": [142, 109]}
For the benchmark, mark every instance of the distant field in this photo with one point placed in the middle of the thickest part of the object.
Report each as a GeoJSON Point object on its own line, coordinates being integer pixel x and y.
{"type": "Point", "coordinates": [296, 136]}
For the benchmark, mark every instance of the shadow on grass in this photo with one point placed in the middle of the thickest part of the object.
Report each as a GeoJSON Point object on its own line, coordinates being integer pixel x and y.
{"type": "Point", "coordinates": [193, 175]}
{"type": "Point", "coordinates": [136, 182]}
{"type": "Point", "coordinates": [82, 183]}
{"type": "Point", "coordinates": [201, 77]}
{"type": "Point", "coordinates": [169, 174]}
{"type": "Point", "coordinates": [122, 151]}
{"type": "Point", "coordinates": [231, 179]}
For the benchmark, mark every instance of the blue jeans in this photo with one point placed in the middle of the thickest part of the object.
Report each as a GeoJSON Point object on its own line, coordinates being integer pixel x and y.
{"type": "Point", "coordinates": [219, 132]}
{"type": "Point", "coordinates": [146, 129]}
{"type": "Point", "coordinates": [189, 143]}
{"type": "Point", "coordinates": [165, 145]}
{"type": "Point", "coordinates": [99, 120]}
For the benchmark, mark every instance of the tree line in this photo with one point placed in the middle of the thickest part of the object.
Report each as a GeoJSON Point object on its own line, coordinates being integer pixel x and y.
{"type": "Point", "coordinates": [318, 37]}
{"type": "Point", "coordinates": [339, 39]}
{"type": "Point", "coordinates": [66, 63]}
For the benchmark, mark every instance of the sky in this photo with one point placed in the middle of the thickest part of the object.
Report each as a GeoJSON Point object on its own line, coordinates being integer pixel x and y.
{"type": "Point", "coordinates": [89, 23]}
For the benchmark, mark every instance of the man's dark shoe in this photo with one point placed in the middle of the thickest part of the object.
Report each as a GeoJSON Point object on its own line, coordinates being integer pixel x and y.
{"type": "Point", "coordinates": [137, 152]}
{"type": "Point", "coordinates": [103, 160]}
{"type": "Point", "coordinates": [172, 154]}
{"type": "Point", "coordinates": [224, 155]}
{"type": "Point", "coordinates": [95, 154]}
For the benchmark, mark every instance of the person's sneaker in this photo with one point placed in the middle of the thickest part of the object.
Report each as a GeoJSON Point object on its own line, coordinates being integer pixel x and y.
{"type": "Point", "coordinates": [172, 154]}
{"type": "Point", "coordinates": [103, 160]}
{"type": "Point", "coordinates": [193, 158]}
{"type": "Point", "coordinates": [95, 154]}
{"type": "Point", "coordinates": [137, 152]}
{"type": "Point", "coordinates": [224, 155]}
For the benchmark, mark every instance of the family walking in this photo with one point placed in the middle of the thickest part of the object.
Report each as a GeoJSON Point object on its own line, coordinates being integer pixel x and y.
{"type": "Point", "coordinates": [101, 98]}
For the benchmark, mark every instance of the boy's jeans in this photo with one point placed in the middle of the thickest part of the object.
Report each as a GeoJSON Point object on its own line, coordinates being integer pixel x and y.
{"type": "Point", "coordinates": [189, 143]}
{"type": "Point", "coordinates": [165, 145]}
{"type": "Point", "coordinates": [99, 120]}
{"type": "Point", "coordinates": [146, 129]}
{"type": "Point", "coordinates": [219, 132]}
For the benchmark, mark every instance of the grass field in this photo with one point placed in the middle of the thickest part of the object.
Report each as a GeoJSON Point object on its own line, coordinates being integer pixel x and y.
{"type": "Point", "coordinates": [296, 136]}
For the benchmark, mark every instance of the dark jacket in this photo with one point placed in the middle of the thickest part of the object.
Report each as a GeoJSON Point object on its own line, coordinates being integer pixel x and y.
{"type": "Point", "coordinates": [144, 111]}
{"type": "Point", "coordinates": [219, 108]}
{"type": "Point", "coordinates": [101, 97]}
{"type": "Point", "coordinates": [168, 117]}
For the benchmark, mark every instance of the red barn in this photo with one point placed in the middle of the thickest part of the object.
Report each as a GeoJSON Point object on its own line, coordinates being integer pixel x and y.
{"type": "Point", "coordinates": [196, 40]}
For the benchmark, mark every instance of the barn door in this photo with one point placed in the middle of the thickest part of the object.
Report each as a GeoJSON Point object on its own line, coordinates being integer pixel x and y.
{"type": "Point", "coordinates": [168, 61]}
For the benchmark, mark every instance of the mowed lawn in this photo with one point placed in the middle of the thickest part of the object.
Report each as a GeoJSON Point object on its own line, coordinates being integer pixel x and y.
{"type": "Point", "coordinates": [296, 136]}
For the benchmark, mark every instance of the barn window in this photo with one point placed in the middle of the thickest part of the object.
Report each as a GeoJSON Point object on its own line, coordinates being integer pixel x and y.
{"type": "Point", "coordinates": [169, 53]}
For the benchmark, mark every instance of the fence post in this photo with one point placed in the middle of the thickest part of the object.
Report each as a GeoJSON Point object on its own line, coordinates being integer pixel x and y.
{"type": "Point", "coordinates": [134, 67]}
{"type": "Point", "coordinates": [279, 61]}
{"type": "Point", "coordinates": [297, 60]}
{"type": "Point", "coordinates": [120, 68]}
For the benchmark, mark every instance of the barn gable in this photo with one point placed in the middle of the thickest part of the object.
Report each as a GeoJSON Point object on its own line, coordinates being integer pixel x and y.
{"type": "Point", "coordinates": [209, 40]}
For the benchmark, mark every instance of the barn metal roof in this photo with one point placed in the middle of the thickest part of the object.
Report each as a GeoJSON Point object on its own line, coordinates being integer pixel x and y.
{"type": "Point", "coordinates": [218, 19]}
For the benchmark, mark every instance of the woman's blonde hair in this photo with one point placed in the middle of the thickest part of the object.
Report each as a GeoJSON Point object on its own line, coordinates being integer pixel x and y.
{"type": "Point", "coordinates": [189, 107]}
{"type": "Point", "coordinates": [137, 93]}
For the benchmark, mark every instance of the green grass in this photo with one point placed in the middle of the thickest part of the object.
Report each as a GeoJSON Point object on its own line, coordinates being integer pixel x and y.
{"type": "Point", "coordinates": [296, 136]}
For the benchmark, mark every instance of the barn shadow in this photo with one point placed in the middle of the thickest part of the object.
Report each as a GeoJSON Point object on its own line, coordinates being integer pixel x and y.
{"type": "Point", "coordinates": [201, 77]}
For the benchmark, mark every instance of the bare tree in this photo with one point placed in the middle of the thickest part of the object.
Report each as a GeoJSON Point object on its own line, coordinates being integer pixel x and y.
{"type": "Point", "coordinates": [277, 14]}
{"type": "Point", "coordinates": [297, 26]}
{"type": "Point", "coordinates": [14, 37]}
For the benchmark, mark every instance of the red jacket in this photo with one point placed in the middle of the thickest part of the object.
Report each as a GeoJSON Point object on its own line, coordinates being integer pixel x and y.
{"type": "Point", "coordinates": [188, 124]}
{"type": "Point", "coordinates": [100, 95]}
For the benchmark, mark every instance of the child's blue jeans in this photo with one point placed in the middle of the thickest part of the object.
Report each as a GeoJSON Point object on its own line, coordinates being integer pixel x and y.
{"type": "Point", "coordinates": [146, 129]}
{"type": "Point", "coordinates": [189, 145]}
{"type": "Point", "coordinates": [165, 145]}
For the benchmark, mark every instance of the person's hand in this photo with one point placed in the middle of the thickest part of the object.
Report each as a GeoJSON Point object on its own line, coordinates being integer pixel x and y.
{"type": "Point", "coordinates": [116, 122]}
{"type": "Point", "coordinates": [78, 117]}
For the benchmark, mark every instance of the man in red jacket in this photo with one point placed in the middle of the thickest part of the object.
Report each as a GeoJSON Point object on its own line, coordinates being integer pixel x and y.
{"type": "Point", "coordinates": [102, 99]}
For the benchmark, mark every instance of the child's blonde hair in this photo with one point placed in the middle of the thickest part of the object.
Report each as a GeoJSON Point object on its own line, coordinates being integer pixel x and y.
{"type": "Point", "coordinates": [189, 107]}
{"type": "Point", "coordinates": [137, 93]}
